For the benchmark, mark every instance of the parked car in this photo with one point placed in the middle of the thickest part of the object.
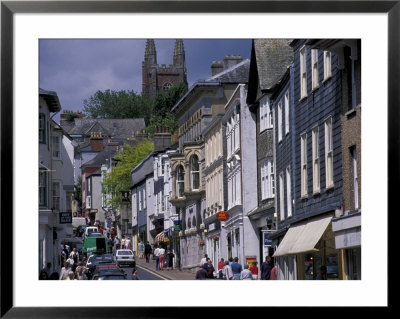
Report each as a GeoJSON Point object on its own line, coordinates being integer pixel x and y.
{"type": "Point", "coordinates": [96, 260]}
{"type": "Point", "coordinates": [125, 257]}
{"type": "Point", "coordinates": [110, 275]}
{"type": "Point", "coordinates": [107, 270]}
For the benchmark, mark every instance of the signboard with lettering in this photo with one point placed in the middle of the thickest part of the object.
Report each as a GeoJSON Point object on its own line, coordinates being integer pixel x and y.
{"type": "Point", "coordinates": [65, 217]}
{"type": "Point", "coordinates": [267, 241]}
{"type": "Point", "coordinates": [222, 216]}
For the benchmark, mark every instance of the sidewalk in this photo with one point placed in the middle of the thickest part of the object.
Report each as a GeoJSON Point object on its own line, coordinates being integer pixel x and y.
{"type": "Point", "coordinates": [172, 274]}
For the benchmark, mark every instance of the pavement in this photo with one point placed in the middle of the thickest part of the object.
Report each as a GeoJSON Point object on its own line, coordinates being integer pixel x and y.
{"type": "Point", "coordinates": [168, 274]}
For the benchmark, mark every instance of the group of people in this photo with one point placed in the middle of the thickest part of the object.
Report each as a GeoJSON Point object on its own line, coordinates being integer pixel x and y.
{"type": "Point", "coordinates": [231, 269]}
{"type": "Point", "coordinates": [164, 257]}
{"type": "Point", "coordinates": [114, 243]}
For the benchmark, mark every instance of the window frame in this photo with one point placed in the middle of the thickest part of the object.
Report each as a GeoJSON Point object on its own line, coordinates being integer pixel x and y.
{"type": "Point", "coordinates": [303, 72]}
{"type": "Point", "coordinates": [280, 121]}
{"type": "Point", "coordinates": [180, 183]}
{"type": "Point", "coordinates": [42, 128]}
{"type": "Point", "coordinates": [327, 65]}
{"type": "Point", "coordinates": [281, 197]}
{"type": "Point", "coordinates": [288, 192]}
{"type": "Point", "coordinates": [314, 69]}
{"type": "Point", "coordinates": [328, 125]}
{"type": "Point", "coordinates": [303, 167]}
{"type": "Point", "coordinates": [194, 173]}
{"type": "Point", "coordinates": [287, 112]}
{"type": "Point", "coordinates": [315, 160]}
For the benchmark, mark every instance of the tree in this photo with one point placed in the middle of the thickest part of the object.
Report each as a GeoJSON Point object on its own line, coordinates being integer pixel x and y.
{"type": "Point", "coordinates": [119, 179]}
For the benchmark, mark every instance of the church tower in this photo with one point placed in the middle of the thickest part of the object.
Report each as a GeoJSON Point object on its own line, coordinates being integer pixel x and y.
{"type": "Point", "coordinates": [155, 77]}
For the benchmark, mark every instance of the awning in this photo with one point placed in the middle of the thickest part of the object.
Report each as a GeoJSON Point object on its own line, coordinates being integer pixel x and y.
{"type": "Point", "coordinates": [159, 237]}
{"type": "Point", "coordinates": [303, 236]}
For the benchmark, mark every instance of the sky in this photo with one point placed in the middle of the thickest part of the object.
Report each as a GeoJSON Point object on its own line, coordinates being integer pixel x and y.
{"type": "Point", "coordinates": [77, 68]}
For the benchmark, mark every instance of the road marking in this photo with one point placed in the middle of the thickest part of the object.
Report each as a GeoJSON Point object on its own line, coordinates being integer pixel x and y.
{"type": "Point", "coordinates": [152, 272]}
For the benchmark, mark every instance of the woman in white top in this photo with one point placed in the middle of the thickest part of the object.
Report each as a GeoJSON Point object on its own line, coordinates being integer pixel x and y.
{"type": "Point", "coordinates": [227, 271]}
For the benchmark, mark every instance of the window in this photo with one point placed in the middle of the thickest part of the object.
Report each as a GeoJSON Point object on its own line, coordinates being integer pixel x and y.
{"type": "Point", "coordinates": [303, 73]}
{"type": "Point", "coordinates": [287, 127]}
{"type": "Point", "coordinates": [314, 65]}
{"type": "Point", "coordinates": [180, 181]}
{"type": "Point", "coordinates": [328, 153]}
{"type": "Point", "coordinates": [42, 188]}
{"type": "Point", "coordinates": [315, 159]}
{"type": "Point", "coordinates": [56, 147]}
{"type": "Point", "coordinates": [281, 197]}
{"type": "Point", "coordinates": [353, 152]}
{"type": "Point", "coordinates": [266, 120]}
{"type": "Point", "coordinates": [288, 192]}
{"type": "Point", "coordinates": [267, 180]}
{"type": "Point", "coordinates": [195, 172]}
{"type": "Point", "coordinates": [56, 196]}
{"type": "Point", "coordinates": [42, 128]}
{"type": "Point", "coordinates": [327, 64]}
{"type": "Point", "coordinates": [144, 197]}
{"type": "Point", "coordinates": [140, 200]}
{"type": "Point", "coordinates": [303, 165]}
{"type": "Point", "coordinates": [280, 121]}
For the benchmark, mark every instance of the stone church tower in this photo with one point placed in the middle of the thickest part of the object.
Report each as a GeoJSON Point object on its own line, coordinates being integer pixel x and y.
{"type": "Point", "coordinates": [155, 77]}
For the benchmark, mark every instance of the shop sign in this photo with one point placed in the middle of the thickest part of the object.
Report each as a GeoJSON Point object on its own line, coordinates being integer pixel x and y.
{"type": "Point", "coordinates": [65, 217]}
{"type": "Point", "coordinates": [222, 216]}
{"type": "Point", "coordinates": [267, 241]}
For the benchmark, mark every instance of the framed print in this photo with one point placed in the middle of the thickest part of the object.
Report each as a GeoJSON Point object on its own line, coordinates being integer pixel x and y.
{"type": "Point", "coordinates": [25, 23]}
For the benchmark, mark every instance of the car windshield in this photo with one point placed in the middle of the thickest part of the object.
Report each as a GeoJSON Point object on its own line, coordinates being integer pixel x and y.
{"type": "Point", "coordinates": [124, 252]}
{"type": "Point", "coordinates": [94, 234]}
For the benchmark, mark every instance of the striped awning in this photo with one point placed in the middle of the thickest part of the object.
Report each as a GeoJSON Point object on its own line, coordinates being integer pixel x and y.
{"type": "Point", "coordinates": [159, 237]}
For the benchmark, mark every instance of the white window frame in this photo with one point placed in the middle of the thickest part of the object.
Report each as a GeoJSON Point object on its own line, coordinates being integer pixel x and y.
{"type": "Point", "coordinates": [287, 110]}
{"type": "Point", "coordinates": [193, 172]}
{"type": "Point", "coordinates": [281, 197]}
{"type": "Point", "coordinates": [266, 121]}
{"type": "Point", "coordinates": [144, 198]}
{"type": "Point", "coordinates": [179, 181]}
{"type": "Point", "coordinates": [315, 160]}
{"type": "Point", "coordinates": [267, 180]}
{"type": "Point", "coordinates": [288, 192]}
{"type": "Point", "coordinates": [56, 145]}
{"type": "Point", "coordinates": [353, 152]}
{"type": "Point", "coordinates": [56, 195]}
{"type": "Point", "coordinates": [327, 65]}
{"type": "Point", "coordinates": [314, 67]}
{"type": "Point", "coordinates": [280, 121]}
{"type": "Point", "coordinates": [329, 152]}
{"type": "Point", "coordinates": [303, 168]}
{"type": "Point", "coordinates": [140, 201]}
{"type": "Point", "coordinates": [303, 72]}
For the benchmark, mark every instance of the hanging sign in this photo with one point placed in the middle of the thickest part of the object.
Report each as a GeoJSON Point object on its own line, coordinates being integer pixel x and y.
{"type": "Point", "coordinates": [222, 216]}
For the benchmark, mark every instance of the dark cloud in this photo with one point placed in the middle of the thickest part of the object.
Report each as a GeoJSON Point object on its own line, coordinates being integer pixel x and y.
{"type": "Point", "coordinates": [77, 68]}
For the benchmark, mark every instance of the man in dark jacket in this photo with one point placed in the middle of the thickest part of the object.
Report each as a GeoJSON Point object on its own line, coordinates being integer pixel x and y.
{"type": "Point", "coordinates": [147, 251]}
{"type": "Point", "coordinates": [266, 269]}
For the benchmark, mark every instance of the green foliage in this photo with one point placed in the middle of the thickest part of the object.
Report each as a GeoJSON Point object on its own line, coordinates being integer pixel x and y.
{"type": "Point", "coordinates": [119, 179]}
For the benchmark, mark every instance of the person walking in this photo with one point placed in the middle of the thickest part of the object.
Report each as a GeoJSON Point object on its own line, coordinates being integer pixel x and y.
{"type": "Point", "coordinates": [128, 243]}
{"type": "Point", "coordinates": [64, 271]}
{"type": "Point", "coordinates": [162, 255]}
{"type": "Point", "coordinates": [227, 271]}
{"type": "Point", "coordinates": [169, 256]}
{"type": "Point", "coordinates": [79, 275]}
{"type": "Point", "coordinates": [141, 249]}
{"type": "Point", "coordinates": [157, 256]}
{"type": "Point", "coordinates": [246, 274]}
{"type": "Point", "coordinates": [117, 242]}
{"type": "Point", "coordinates": [208, 266]}
{"type": "Point", "coordinates": [75, 256]}
{"type": "Point", "coordinates": [322, 273]}
{"type": "Point", "coordinates": [236, 268]}
{"type": "Point", "coordinates": [254, 270]}
{"type": "Point", "coordinates": [203, 260]}
{"type": "Point", "coordinates": [147, 251]}
{"type": "Point", "coordinates": [274, 273]}
{"type": "Point", "coordinates": [123, 242]}
{"type": "Point", "coordinates": [201, 274]}
{"type": "Point", "coordinates": [110, 244]}
{"type": "Point", "coordinates": [266, 269]}
{"type": "Point", "coordinates": [220, 267]}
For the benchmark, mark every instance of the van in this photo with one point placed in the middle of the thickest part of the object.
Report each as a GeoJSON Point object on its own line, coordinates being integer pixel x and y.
{"type": "Point", "coordinates": [91, 229]}
{"type": "Point", "coordinates": [95, 245]}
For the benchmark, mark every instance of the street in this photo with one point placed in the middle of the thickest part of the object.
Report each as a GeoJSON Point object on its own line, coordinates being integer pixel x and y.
{"type": "Point", "coordinates": [143, 273]}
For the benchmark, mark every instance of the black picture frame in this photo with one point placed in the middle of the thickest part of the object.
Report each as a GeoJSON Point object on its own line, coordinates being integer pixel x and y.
{"type": "Point", "coordinates": [9, 8]}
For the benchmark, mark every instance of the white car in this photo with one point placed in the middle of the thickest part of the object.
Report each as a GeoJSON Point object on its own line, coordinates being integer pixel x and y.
{"type": "Point", "coordinates": [125, 257]}
{"type": "Point", "coordinates": [90, 229]}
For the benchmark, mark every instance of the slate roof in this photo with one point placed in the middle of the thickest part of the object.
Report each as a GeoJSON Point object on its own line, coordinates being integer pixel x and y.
{"type": "Point", "coordinates": [144, 168]}
{"type": "Point", "coordinates": [273, 57]}
{"type": "Point", "coordinates": [115, 128]}
{"type": "Point", "coordinates": [100, 158]}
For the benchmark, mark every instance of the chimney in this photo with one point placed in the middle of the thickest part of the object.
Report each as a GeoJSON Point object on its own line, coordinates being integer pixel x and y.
{"type": "Point", "coordinates": [231, 60]}
{"type": "Point", "coordinates": [162, 138]}
{"type": "Point", "coordinates": [141, 135]}
{"type": "Point", "coordinates": [96, 141]}
{"type": "Point", "coordinates": [216, 67]}
{"type": "Point", "coordinates": [68, 117]}
{"type": "Point", "coordinates": [112, 144]}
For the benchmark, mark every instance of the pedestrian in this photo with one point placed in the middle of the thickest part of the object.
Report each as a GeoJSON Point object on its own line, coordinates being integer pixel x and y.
{"type": "Point", "coordinates": [236, 268]}
{"type": "Point", "coordinates": [147, 251]}
{"type": "Point", "coordinates": [128, 243]}
{"type": "Point", "coordinates": [220, 267]}
{"type": "Point", "coordinates": [274, 273]}
{"type": "Point", "coordinates": [254, 270]}
{"type": "Point", "coordinates": [246, 274]}
{"type": "Point", "coordinates": [201, 274]}
{"type": "Point", "coordinates": [70, 275]}
{"type": "Point", "coordinates": [47, 269]}
{"type": "Point", "coordinates": [168, 258]}
{"type": "Point", "coordinates": [227, 271]}
{"type": "Point", "coordinates": [123, 242]}
{"type": "Point", "coordinates": [101, 229]}
{"type": "Point", "coordinates": [79, 274]}
{"type": "Point", "coordinates": [64, 271]}
{"type": "Point", "coordinates": [117, 242]}
{"type": "Point", "coordinates": [84, 259]}
{"type": "Point", "coordinates": [322, 273]}
{"type": "Point", "coordinates": [266, 269]}
{"type": "Point", "coordinates": [208, 266]}
{"type": "Point", "coordinates": [157, 256]}
{"type": "Point", "coordinates": [110, 244]}
{"type": "Point", "coordinates": [230, 261]}
{"type": "Point", "coordinates": [162, 255]}
{"type": "Point", "coordinates": [71, 261]}
{"type": "Point", "coordinates": [141, 249]}
{"type": "Point", "coordinates": [135, 274]}
{"type": "Point", "coordinates": [43, 275]}
{"type": "Point", "coordinates": [203, 260]}
{"type": "Point", "coordinates": [75, 256]}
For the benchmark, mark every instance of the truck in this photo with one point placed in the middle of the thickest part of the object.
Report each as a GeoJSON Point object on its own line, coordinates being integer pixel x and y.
{"type": "Point", "coordinates": [95, 245]}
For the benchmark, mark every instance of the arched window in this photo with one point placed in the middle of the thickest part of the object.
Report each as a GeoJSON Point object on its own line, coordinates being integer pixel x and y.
{"type": "Point", "coordinates": [180, 181]}
{"type": "Point", "coordinates": [195, 172]}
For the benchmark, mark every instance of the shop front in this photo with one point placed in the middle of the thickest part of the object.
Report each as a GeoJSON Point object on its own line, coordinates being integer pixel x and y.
{"type": "Point", "coordinates": [307, 246]}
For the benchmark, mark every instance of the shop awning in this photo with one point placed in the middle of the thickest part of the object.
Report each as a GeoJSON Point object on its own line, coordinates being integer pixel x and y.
{"type": "Point", "coordinates": [303, 236]}
{"type": "Point", "coordinates": [159, 237]}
